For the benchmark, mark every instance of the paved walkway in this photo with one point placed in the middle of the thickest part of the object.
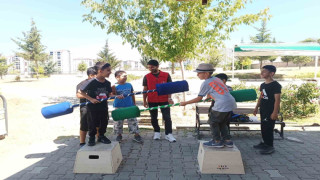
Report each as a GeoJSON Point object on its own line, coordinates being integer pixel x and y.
{"type": "Point", "coordinates": [164, 160]}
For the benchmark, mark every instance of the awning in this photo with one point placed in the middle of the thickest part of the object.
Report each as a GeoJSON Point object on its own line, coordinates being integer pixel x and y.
{"type": "Point", "coordinates": [278, 49]}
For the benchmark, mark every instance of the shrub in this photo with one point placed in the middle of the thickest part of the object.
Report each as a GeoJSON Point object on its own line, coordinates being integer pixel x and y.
{"type": "Point", "coordinates": [132, 77]}
{"type": "Point", "coordinates": [297, 101]}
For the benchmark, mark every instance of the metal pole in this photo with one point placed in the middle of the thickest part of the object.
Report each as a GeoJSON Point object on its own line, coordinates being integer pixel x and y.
{"type": "Point", "coordinates": [232, 62]}
{"type": "Point", "coordinates": [316, 67]}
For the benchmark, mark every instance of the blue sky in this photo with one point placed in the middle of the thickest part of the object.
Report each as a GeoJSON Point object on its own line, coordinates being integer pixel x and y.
{"type": "Point", "coordinates": [61, 26]}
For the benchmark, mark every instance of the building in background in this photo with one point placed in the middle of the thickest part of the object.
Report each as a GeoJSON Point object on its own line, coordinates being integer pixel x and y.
{"type": "Point", "coordinates": [63, 60]}
{"type": "Point", "coordinates": [76, 61]}
{"type": "Point", "coordinates": [19, 65]}
{"type": "Point", "coordinates": [131, 65]}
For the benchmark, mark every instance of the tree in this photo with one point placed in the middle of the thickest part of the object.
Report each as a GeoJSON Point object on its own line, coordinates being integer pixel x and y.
{"type": "Point", "coordinates": [144, 61]}
{"type": "Point", "coordinates": [107, 56]}
{"type": "Point", "coordinates": [3, 66]}
{"type": "Point", "coordinates": [301, 60]}
{"type": "Point", "coordinates": [32, 49]}
{"type": "Point", "coordinates": [309, 40]}
{"type": "Point", "coordinates": [287, 59]}
{"type": "Point", "coordinates": [214, 57]}
{"type": "Point", "coordinates": [264, 36]}
{"type": "Point", "coordinates": [168, 29]}
{"type": "Point", "coordinates": [50, 67]}
{"type": "Point", "coordinates": [274, 40]}
{"type": "Point", "coordinates": [82, 67]}
{"type": "Point", "coordinates": [244, 61]}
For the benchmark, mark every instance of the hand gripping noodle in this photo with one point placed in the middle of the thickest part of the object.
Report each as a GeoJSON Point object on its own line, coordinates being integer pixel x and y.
{"type": "Point", "coordinates": [67, 108]}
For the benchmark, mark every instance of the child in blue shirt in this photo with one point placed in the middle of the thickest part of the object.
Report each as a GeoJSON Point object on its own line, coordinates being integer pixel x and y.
{"type": "Point", "coordinates": [123, 88]}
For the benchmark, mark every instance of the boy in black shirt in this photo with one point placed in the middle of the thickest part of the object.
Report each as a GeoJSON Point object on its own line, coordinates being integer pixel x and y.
{"type": "Point", "coordinates": [96, 89]}
{"type": "Point", "coordinates": [269, 103]}
{"type": "Point", "coordinates": [91, 72]}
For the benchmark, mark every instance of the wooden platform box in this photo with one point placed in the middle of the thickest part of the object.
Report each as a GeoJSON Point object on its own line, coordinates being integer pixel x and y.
{"type": "Point", "coordinates": [101, 158]}
{"type": "Point", "coordinates": [219, 160]}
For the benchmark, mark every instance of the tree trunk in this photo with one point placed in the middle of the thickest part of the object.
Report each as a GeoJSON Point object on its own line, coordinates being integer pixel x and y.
{"type": "Point", "coordinates": [287, 63]}
{"type": "Point", "coordinates": [260, 64]}
{"type": "Point", "coordinates": [172, 68]}
{"type": "Point", "coordinates": [37, 69]}
{"type": "Point", "coordinates": [182, 73]}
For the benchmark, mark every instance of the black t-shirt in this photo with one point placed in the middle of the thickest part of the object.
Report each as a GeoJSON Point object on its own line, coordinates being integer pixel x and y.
{"type": "Point", "coordinates": [97, 90]}
{"type": "Point", "coordinates": [145, 83]}
{"type": "Point", "coordinates": [82, 100]}
{"type": "Point", "coordinates": [267, 96]}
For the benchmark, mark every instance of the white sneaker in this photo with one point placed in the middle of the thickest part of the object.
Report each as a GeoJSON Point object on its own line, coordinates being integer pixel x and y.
{"type": "Point", "coordinates": [170, 138]}
{"type": "Point", "coordinates": [156, 136]}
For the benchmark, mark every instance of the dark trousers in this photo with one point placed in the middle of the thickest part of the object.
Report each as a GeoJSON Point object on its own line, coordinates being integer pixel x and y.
{"type": "Point", "coordinates": [99, 118]}
{"type": "Point", "coordinates": [267, 127]}
{"type": "Point", "coordinates": [165, 116]}
{"type": "Point", "coordinates": [219, 125]}
{"type": "Point", "coordinates": [84, 118]}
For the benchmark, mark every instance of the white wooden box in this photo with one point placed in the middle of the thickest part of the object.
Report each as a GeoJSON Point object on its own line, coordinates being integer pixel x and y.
{"type": "Point", "coordinates": [220, 160]}
{"type": "Point", "coordinates": [100, 158]}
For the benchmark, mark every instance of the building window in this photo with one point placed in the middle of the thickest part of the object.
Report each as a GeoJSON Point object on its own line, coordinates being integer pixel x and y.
{"type": "Point", "coordinates": [51, 53]}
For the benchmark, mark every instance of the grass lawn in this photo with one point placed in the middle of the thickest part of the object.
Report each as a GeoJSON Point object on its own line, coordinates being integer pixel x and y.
{"type": "Point", "coordinates": [313, 120]}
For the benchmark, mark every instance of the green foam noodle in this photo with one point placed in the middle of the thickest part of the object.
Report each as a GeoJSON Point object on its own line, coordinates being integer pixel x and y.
{"type": "Point", "coordinates": [244, 95]}
{"type": "Point", "coordinates": [125, 113]}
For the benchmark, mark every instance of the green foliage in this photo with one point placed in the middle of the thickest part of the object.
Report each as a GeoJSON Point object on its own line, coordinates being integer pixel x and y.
{"type": "Point", "coordinates": [189, 67]}
{"type": "Point", "coordinates": [300, 60]}
{"type": "Point", "coordinates": [82, 67]}
{"type": "Point", "coordinates": [308, 40]}
{"type": "Point", "coordinates": [126, 67]}
{"type": "Point", "coordinates": [49, 67]}
{"type": "Point", "coordinates": [287, 59]}
{"type": "Point", "coordinates": [3, 66]}
{"type": "Point", "coordinates": [107, 56]}
{"type": "Point", "coordinates": [32, 49]}
{"type": "Point", "coordinates": [168, 29]}
{"type": "Point", "coordinates": [264, 35]}
{"type": "Point", "coordinates": [214, 57]}
{"type": "Point", "coordinates": [144, 61]}
{"type": "Point", "coordinates": [297, 101]}
{"type": "Point", "coordinates": [17, 78]}
{"type": "Point", "coordinates": [132, 77]}
{"type": "Point", "coordinates": [243, 62]}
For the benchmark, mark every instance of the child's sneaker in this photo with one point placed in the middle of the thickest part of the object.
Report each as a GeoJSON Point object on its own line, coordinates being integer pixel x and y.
{"type": "Point", "coordinates": [170, 138]}
{"type": "Point", "coordinates": [92, 141]}
{"type": "Point", "coordinates": [214, 144]}
{"type": "Point", "coordinates": [104, 140]}
{"type": "Point", "coordinates": [138, 139]}
{"type": "Point", "coordinates": [267, 150]}
{"type": "Point", "coordinates": [156, 136]}
{"type": "Point", "coordinates": [119, 138]}
{"type": "Point", "coordinates": [82, 144]}
{"type": "Point", "coordinates": [229, 144]}
{"type": "Point", "coordinates": [261, 145]}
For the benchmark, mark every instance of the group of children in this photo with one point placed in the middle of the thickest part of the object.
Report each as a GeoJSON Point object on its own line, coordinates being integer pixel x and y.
{"type": "Point", "coordinates": [94, 117]}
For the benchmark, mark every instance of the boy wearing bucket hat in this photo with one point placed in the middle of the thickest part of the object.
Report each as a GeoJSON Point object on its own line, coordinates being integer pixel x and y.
{"type": "Point", "coordinates": [221, 111]}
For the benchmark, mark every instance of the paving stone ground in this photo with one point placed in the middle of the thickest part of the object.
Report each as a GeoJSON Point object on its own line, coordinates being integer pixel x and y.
{"type": "Point", "coordinates": [164, 160]}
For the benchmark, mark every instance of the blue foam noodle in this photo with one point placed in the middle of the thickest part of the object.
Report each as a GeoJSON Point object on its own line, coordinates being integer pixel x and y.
{"type": "Point", "coordinates": [57, 110]}
{"type": "Point", "coordinates": [172, 87]}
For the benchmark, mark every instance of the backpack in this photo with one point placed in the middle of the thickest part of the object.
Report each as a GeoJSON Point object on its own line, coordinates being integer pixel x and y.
{"type": "Point", "coordinates": [239, 118]}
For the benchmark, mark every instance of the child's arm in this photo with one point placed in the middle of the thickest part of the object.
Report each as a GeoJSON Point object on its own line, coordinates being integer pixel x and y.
{"type": "Point", "coordinates": [79, 95]}
{"type": "Point", "coordinates": [276, 109]}
{"type": "Point", "coordinates": [257, 106]}
{"type": "Point", "coordinates": [84, 94]}
{"type": "Point", "coordinates": [195, 100]}
{"type": "Point", "coordinates": [145, 88]}
{"type": "Point", "coordinates": [114, 91]}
